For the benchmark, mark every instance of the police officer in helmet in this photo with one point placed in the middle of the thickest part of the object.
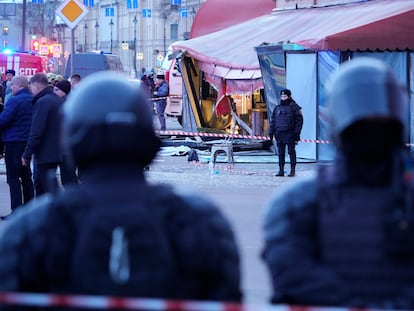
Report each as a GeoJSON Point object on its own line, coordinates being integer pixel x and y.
{"type": "Point", "coordinates": [116, 234]}
{"type": "Point", "coordinates": [346, 237]}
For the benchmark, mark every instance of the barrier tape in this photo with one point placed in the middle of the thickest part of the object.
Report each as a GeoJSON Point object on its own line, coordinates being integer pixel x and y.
{"type": "Point", "coordinates": [165, 97]}
{"type": "Point", "coordinates": [129, 303]}
{"type": "Point", "coordinates": [108, 302]}
{"type": "Point", "coordinates": [231, 136]}
{"type": "Point", "coordinates": [218, 135]}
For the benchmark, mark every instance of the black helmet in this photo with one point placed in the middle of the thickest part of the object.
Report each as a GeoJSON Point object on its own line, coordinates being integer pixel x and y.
{"type": "Point", "coordinates": [365, 88]}
{"type": "Point", "coordinates": [107, 116]}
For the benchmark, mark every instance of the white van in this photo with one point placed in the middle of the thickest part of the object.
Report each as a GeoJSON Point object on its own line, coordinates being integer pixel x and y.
{"type": "Point", "coordinates": [175, 81]}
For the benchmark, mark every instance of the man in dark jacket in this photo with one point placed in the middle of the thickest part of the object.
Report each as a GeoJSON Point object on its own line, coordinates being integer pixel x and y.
{"type": "Point", "coordinates": [161, 91]}
{"type": "Point", "coordinates": [15, 122]}
{"type": "Point", "coordinates": [116, 234]}
{"type": "Point", "coordinates": [285, 126]}
{"type": "Point", "coordinates": [345, 237]}
{"type": "Point", "coordinates": [44, 140]}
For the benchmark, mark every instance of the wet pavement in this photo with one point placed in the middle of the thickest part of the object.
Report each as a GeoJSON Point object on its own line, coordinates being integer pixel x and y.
{"type": "Point", "coordinates": [241, 191]}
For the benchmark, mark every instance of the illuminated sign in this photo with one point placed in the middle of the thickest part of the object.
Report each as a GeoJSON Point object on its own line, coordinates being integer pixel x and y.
{"type": "Point", "coordinates": [43, 49]}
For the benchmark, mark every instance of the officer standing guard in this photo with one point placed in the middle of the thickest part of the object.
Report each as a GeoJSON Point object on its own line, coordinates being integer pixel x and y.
{"type": "Point", "coordinates": [285, 126]}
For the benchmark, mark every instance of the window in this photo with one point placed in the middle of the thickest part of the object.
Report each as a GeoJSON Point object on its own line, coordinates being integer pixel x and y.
{"type": "Point", "coordinates": [174, 31]}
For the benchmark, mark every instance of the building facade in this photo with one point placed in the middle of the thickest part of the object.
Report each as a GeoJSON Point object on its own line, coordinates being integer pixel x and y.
{"type": "Point", "coordinates": [139, 31]}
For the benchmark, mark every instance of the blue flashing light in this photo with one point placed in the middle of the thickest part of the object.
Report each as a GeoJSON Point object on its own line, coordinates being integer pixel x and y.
{"type": "Point", "coordinates": [8, 51]}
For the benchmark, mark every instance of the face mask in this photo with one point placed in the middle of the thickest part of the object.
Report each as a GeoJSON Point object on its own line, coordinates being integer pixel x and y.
{"type": "Point", "coordinates": [285, 101]}
{"type": "Point", "coordinates": [368, 150]}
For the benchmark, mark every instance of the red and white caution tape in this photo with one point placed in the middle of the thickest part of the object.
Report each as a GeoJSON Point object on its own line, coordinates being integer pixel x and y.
{"type": "Point", "coordinates": [218, 135]}
{"type": "Point", "coordinates": [129, 303]}
{"type": "Point", "coordinates": [229, 136]}
{"type": "Point", "coordinates": [104, 302]}
{"type": "Point", "coordinates": [165, 97]}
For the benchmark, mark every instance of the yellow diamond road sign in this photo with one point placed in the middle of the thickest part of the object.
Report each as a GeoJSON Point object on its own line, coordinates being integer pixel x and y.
{"type": "Point", "coordinates": [72, 12]}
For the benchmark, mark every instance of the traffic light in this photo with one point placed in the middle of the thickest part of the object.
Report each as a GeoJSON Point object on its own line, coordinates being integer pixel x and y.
{"type": "Point", "coordinates": [34, 44]}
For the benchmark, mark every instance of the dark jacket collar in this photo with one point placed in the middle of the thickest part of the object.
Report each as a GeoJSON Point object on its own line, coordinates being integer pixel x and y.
{"type": "Point", "coordinates": [45, 91]}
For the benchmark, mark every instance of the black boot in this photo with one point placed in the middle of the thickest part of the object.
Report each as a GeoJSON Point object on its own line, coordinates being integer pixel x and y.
{"type": "Point", "coordinates": [281, 171]}
{"type": "Point", "coordinates": [292, 165]}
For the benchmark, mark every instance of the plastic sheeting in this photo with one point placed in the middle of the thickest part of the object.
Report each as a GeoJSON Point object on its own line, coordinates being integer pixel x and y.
{"type": "Point", "coordinates": [301, 80]}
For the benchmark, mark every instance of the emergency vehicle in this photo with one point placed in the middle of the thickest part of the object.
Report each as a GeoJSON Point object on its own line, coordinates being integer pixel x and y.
{"type": "Point", "coordinates": [173, 76]}
{"type": "Point", "coordinates": [23, 63]}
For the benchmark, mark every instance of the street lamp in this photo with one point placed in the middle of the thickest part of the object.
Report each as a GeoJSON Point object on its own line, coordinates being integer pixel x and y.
{"type": "Point", "coordinates": [164, 17]}
{"type": "Point", "coordinates": [96, 31]}
{"type": "Point", "coordinates": [86, 31]}
{"type": "Point", "coordinates": [5, 34]}
{"type": "Point", "coordinates": [111, 24]}
{"type": "Point", "coordinates": [135, 45]}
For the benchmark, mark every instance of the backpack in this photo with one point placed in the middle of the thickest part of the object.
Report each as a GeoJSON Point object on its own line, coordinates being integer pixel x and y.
{"type": "Point", "coordinates": [123, 248]}
{"type": "Point", "coordinates": [398, 216]}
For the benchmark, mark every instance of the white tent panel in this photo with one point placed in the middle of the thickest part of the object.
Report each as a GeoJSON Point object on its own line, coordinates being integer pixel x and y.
{"type": "Point", "coordinates": [301, 80]}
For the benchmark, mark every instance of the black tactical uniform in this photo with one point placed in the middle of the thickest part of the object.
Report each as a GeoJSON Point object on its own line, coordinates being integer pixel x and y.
{"type": "Point", "coordinates": [115, 234]}
{"type": "Point", "coordinates": [346, 237]}
{"type": "Point", "coordinates": [285, 125]}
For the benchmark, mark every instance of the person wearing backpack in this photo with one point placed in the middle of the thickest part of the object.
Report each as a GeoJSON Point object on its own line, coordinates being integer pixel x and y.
{"type": "Point", "coordinates": [345, 237]}
{"type": "Point", "coordinates": [116, 234]}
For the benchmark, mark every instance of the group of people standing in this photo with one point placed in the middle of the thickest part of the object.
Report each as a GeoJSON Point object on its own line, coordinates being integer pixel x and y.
{"type": "Point", "coordinates": [30, 126]}
{"type": "Point", "coordinates": [341, 238]}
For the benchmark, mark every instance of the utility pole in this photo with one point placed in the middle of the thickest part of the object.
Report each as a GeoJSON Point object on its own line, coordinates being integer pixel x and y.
{"type": "Point", "coordinates": [164, 17]}
{"type": "Point", "coordinates": [96, 32]}
{"type": "Point", "coordinates": [135, 45]}
{"type": "Point", "coordinates": [111, 24]}
{"type": "Point", "coordinates": [23, 43]}
{"type": "Point", "coordinates": [86, 38]}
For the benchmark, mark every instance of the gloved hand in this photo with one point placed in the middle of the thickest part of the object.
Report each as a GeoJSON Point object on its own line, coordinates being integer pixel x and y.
{"type": "Point", "coordinates": [271, 136]}
{"type": "Point", "coordinates": [297, 137]}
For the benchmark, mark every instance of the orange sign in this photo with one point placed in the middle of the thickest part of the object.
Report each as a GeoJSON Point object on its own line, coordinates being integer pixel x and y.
{"type": "Point", "coordinates": [72, 12]}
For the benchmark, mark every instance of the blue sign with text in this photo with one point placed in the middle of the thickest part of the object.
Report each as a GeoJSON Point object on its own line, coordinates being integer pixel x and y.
{"type": "Point", "coordinates": [183, 13]}
{"type": "Point", "coordinates": [147, 13]}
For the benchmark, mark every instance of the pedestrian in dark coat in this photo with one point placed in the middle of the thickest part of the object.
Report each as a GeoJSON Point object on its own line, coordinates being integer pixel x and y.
{"type": "Point", "coordinates": [44, 141]}
{"type": "Point", "coordinates": [66, 167]}
{"type": "Point", "coordinates": [15, 122]}
{"type": "Point", "coordinates": [285, 126]}
{"type": "Point", "coordinates": [161, 91]}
